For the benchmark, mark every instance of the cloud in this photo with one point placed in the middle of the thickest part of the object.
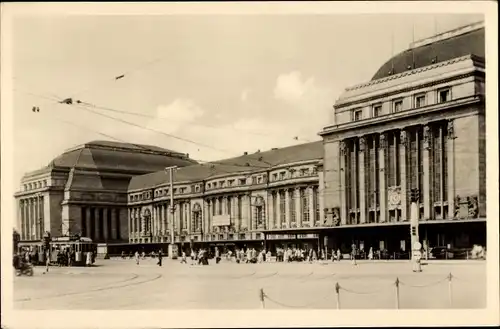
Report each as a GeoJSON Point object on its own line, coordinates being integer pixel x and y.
{"type": "Point", "coordinates": [180, 112]}
{"type": "Point", "coordinates": [290, 87]}
{"type": "Point", "coordinates": [245, 94]}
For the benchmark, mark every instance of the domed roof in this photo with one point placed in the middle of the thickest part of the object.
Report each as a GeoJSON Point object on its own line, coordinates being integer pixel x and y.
{"type": "Point", "coordinates": [469, 40]}
{"type": "Point", "coordinates": [106, 155]}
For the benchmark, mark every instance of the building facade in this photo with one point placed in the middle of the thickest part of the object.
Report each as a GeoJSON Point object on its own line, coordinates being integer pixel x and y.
{"type": "Point", "coordinates": [418, 124]}
{"type": "Point", "coordinates": [84, 190]}
{"type": "Point", "coordinates": [231, 202]}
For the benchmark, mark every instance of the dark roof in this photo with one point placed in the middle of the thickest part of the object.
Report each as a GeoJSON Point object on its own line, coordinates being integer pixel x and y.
{"type": "Point", "coordinates": [104, 155]}
{"type": "Point", "coordinates": [250, 162]}
{"type": "Point", "coordinates": [469, 43]}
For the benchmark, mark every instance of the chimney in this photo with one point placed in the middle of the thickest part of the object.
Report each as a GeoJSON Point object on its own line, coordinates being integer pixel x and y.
{"type": "Point", "coordinates": [245, 153]}
{"type": "Point", "coordinates": [274, 149]}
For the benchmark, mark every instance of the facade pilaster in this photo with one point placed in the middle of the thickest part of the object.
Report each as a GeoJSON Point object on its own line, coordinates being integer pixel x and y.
{"type": "Point", "coordinates": [382, 178]}
{"type": "Point", "coordinates": [287, 208]}
{"type": "Point", "coordinates": [343, 191]}
{"type": "Point", "coordinates": [362, 181]}
{"type": "Point", "coordinates": [403, 164]}
{"type": "Point", "coordinates": [426, 194]}
{"type": "Point", "coordinates": [451, 169]}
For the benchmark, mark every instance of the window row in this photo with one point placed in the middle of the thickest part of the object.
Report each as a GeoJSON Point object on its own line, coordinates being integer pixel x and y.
{"type": "Point", "coordinates": [35, 185]}
{"type": "Point", "coordinates": [419, 100]}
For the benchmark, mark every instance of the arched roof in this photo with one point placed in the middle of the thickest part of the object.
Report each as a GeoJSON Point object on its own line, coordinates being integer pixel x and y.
{"type": "Point", "coordinates": [472, 42]}
{"type": "Point", "coordinates": [106, 155]}
{"type": "Point", "coordinates": [245, 163]}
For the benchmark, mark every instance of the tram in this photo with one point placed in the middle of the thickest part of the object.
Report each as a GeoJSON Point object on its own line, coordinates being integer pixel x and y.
{"type": "Point", "coordinates": [80, 246]}
{"type": "Point", "coordinates": [59, 245]}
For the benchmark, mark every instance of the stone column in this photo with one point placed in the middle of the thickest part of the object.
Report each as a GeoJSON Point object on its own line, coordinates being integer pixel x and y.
{"type": "Point", "coordinates": [362, 182]}
{"type": "Point", "coordinates": [426, 193]}
{"type": "Point", "coordinates": [403, 146]}
{"type": "Point", "coordinates": [105, 224]}
{"type": "Point", "coordinates": [189, 217]}
{"type": "Point", "coordinates": [177, 217]}
{"type": "Point", "coordinates": [88, 219]}
{"type": "Point", "coordinates": [132, 220]}
{"type": "Point", "coordinates": [451, 169]}
{"type": "Point", "coordinates": [26, 219]}
{"type": "Point", "coordinates": [298, 207]}
{"type": "Point", "coordinates": [98, 233]}
{"type": "Point", "coordinates": [312, 206]}
{"type": "Point", "coordinates": [382, 175]}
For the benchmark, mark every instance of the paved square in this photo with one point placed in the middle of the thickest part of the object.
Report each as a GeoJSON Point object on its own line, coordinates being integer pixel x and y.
{"type": "Point", "coordinates": [121, 284]}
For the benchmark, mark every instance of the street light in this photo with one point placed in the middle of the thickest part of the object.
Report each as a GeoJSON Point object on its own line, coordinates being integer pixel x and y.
{"type": "Point", "coordinates": [172, 247]}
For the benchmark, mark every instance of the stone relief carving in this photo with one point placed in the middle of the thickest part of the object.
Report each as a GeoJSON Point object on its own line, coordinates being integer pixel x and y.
{"type": "Point", "coordinates": [403, 137]}
{"type": "Point", "coordinates": [473, 208]}
{"type": "Point", "coordinates": [336, 216]}
{"type": "Point", "coordinates": [362, 144]}
{"type": "Point", "coordinates": [342, 148]}
{"type": "Point", "coordinates": [451, 129]}
{"type": "Point", "coordinates": [383, 141]}
{"type": "Point", "coordinates": [427, 137]}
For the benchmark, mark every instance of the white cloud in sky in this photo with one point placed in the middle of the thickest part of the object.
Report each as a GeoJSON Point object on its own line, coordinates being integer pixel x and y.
{"type": "Point", "coordinates": [179, 113]}
{"type": "Point", "coordinates": [290, 87]}
{"type": "Point", "coordinates": [245, 94]}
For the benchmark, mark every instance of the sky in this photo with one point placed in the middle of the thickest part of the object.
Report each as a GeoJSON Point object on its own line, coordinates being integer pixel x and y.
{"type": "Point", "coordinates": [222, 85]}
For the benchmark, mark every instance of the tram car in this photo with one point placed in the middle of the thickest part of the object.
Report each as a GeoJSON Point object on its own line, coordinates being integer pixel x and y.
{"type": "Point", "coordinates": [76, 247]}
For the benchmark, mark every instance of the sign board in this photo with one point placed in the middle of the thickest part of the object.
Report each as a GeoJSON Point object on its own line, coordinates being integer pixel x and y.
{"type": "Point", "coordinates": [221, 220]}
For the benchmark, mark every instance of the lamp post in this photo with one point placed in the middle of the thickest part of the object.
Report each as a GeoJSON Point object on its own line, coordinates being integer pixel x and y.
{"type": "Point", "coordinates": [172, 247]}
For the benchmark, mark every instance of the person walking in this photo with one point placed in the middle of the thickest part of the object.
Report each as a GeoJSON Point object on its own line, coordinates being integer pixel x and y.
{"type": "Point", "coordinates": [353, 254]}
{"type": "Point", "coordinates": [47, 260]}
{"type": "Point", "coordinates": [89, 259]}
{"type": "Point", "coordinates": [370, 254]}
{"type": "Point", "coordinates": [137, 257]}
{"type": "Point", "coordinates": [160, 257]}
{"type": "Point", "coordinates": [183, 259]}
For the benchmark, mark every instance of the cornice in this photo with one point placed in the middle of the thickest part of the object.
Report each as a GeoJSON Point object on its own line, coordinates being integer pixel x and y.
{"type": "Point", "coordinates": [472, 73]}
{"type": "Point", "coordinates": [425, 110]}
{"type": "Point", "coordinates": [416, 71]}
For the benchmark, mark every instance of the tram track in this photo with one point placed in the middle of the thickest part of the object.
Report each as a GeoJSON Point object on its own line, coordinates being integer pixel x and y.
{"type": "Point", "coordinates": [110, 286]}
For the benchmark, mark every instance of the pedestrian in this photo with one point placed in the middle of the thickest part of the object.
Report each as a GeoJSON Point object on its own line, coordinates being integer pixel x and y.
{"type": "Point", "coordinates": [353, 254]}
{"type": "Point", "coordinates": [137, 257]}
{"type": "Point", "coordinates": [339, 255]}
{"type": "Point", "coordinates": [47, 260]}
{"type": "Point", "coordinates": [160, 255]}
{"type": "Point", "coordinates": [370, 254]}
{"type": "Point", "coordinates": [183, 259]}
{"type": "Point", "coordinates": [89, 258]}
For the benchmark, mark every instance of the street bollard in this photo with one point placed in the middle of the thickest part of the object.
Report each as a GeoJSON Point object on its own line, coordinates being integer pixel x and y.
{"type": "Point", "coordinates": [261, 295]}
{"type": "Point", "coordinates": [450, 290]}
{"type": "Point", "coordinates": [397, 293]}
{"type": "Point", "coordinates": [337, 291]}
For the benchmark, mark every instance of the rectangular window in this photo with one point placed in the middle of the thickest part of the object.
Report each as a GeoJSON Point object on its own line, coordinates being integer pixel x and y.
{"type": "Point", "coordinates": [397, 106]}
{"type": "Point", "coordinates": [357, 115]}
{"type": "Point", "coordinates": [282, 175]}
{"type": "Point", "coordinates": [275, 177]}
{"type": "Point", "coordinates": [275, 209]}
{"type": "Point", "coordinates": [376, 110]}
{"type": "Point", "coordinates": [444, 95]}
{"type": "Point", "coordinates": [419, 101]}
{"type": "Point", "coordinates": [305, 205]}
{"type": "Point", "coordinates": [242, 181]}
{"type": "Point", "coordinates": [239, 207]}
{"type": "Point", "coordinates": [291, 199]}
{"type": "Point", "coordinates": [316, 204]}
{"type": "Point", "coordinates": [282, 207]}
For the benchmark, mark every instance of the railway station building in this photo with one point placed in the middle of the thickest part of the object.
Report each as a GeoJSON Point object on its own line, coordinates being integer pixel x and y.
{"type": "Point", "coordinates": [419, 123]}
